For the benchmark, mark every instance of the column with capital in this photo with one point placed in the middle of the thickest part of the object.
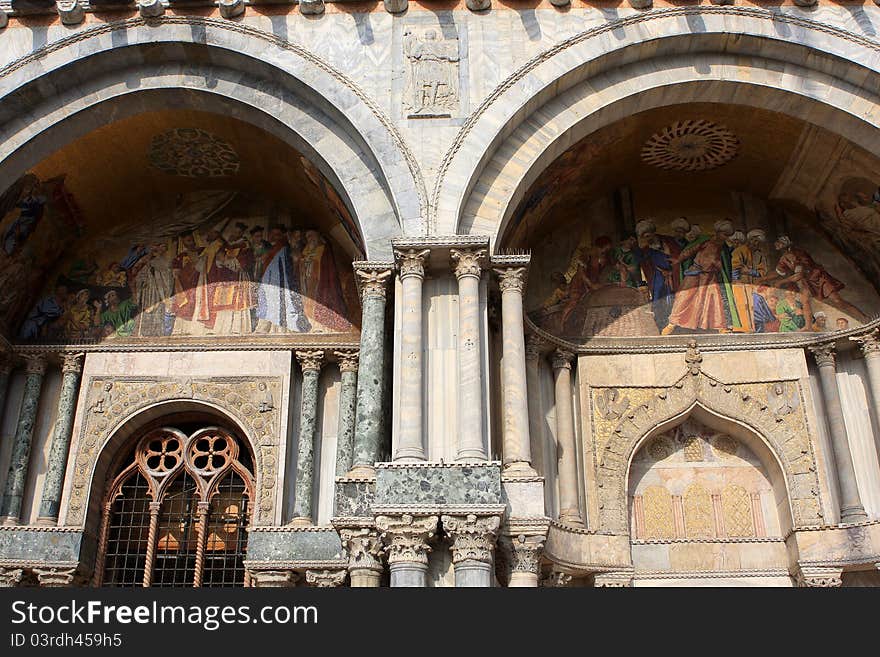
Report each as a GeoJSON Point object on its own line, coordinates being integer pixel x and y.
{"type": "Point", "coordinates": [311, 362]}
{"type": "Point", "coordinates": [516, 441]}
{"type": "Point", "coordinates": [348, 367]}
{"type": "Point", "coordinates": [5, 371]}
{"type": "Point", "coordinates": [71, 369]}
{"type": "Point", "coordinates": [371, 375]}
{"type": "Point", "coordinates": [364, 549]}
{"type": "Point", "coordinates": [10, 510]}
{"type": "Point", "coordinates": [406, 539]}
{"type": "Point", "coordinates": [473, 545]}
{"type": "Point", "coordinates": [468, 270]}
{"type": "Point", "coordinates": [523, 554]}
{"type": "Point", "coordinates": [851, 509]}
{"type": "Point", "coordinates": [870, 345]}
{"type": "Point", "coordinates": [569, 506]}
{"type": "Point", "coordinates": [409, 445]}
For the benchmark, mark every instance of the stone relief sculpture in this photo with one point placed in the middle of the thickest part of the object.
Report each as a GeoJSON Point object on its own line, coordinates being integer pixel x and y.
{"type": "Point", "coordinates": [610, 407]}
{"type": "Point", "coordinates": [780, 401]}
{"type": "Point", "coordinates": [432, 62]}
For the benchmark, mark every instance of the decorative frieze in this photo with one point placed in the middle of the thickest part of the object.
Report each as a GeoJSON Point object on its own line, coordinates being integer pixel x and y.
{"type": "Point", "coordinates": [473, 537]}
{"type": "Point", "coordinates": [615, 579]}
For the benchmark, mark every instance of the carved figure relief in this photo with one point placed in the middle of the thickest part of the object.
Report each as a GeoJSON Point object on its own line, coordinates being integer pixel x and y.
{"type": "Point", "coordinates": [610, 406]}
{"type": "Point", "coordinates": [432, 61]}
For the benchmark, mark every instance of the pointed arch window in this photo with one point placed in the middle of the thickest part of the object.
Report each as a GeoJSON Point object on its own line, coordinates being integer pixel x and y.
{"type": "Point", "coordinates": [177, 513]}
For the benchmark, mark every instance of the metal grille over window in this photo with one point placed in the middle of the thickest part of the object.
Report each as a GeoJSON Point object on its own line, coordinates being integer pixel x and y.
{"type": "Point", "coordinates": [177, 513]}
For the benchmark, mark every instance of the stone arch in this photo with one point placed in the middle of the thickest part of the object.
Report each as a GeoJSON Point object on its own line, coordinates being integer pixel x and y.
{"type": "Point", "coordinates": [130, 404]}
{"type": "Point", "coordinates": [90, 78]}
{"type": "Point", "coordinates": [747, 56]}
{"type": "Point", "coordinates": [782, 443]}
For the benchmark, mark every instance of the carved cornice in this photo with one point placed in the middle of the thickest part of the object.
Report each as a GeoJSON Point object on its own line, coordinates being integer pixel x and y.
{"type": "Point", "coordinates": [473, 537]}
{"type": "Point", "coordinates": [501, 260]}
{"type": "Point", "coordinates": [824, 354]}
{"type": "Point", "coordinates": [226, 343]}
{"type": "Point", "coordinates": [710, 574]}
{"type": "Point", "coordinates": [512, 279]}
{"type": "Point", "coordinates": [364, 548]}
{"type": "Point", "coordinates": [310, 361]}
{"type": "Point", "coordinates": [412, 262]}
{"type": "Point", "coordinates": [441, 242]}
{"type": "Point", "coordinates": [348, 360]}
{"type": "Point", "coordinates": [468, 262]}
{"type": "Point", "coordinates": [72, 363]}
{"type": "Point", "coordinates": [326, 579]}
{"type": "Point", "coordinates": [372, 278]}
{"type": "Point", "coordinates": [562, 359]}
{"type": "Point", "coordinates": [406, 537]}
{"type": "Point", "coordinates": [618, 579]}
{"type": "Point", "coordinates": [819, 576]}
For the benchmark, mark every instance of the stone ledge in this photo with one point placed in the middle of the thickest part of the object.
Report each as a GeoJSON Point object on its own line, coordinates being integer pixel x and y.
{"type": "Point", "coordinates": [446, 509]}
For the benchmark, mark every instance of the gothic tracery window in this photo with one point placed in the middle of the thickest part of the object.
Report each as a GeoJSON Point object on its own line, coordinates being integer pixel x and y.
{"type": "Point", "coordinates": [177, 513]}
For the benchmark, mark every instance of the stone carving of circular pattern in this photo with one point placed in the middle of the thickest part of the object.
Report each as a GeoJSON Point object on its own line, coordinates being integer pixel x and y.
{"type": "Point", "coordinates": [193, 153]}
{"type": "Point", "coordinates": [695, 145]}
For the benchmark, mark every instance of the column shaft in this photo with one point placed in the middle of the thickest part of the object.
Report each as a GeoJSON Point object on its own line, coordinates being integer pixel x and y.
{"type": "Point", "coordinates": [348, 366]}
{"type": "Point", "coordinates": [569, 507]}
{"type": "Point", "coordinates": [470, 390]}
{"type": "Point", "coordinates": [5, 371]}
{"type": "Point", "coordinates": [536, 412]}
{"type": "Point", "coordinates": [51, 500]}
{"type": "Point", "coordinates": [308, 424]}
{"type": "Point", "coordinates": [371, 376]}
{"type": "Point", "coordinates": [517, 447]}
{"type": "Point", "coordinates": [409, 439]}
{"type": "Point", "coordinates": [851, 509]}
{"type": "Point", "coordinates": [21, 445]}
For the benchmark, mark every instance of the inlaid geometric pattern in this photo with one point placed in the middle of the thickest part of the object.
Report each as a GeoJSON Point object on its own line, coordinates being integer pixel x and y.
{"type": "Point", "coordinates": [694, 145]}
{"type": "Point", "coordinates": [736, 507]}
{"type": "Point", "coordinates": [657, 504]}
{"type": "Point", "coordinates": [193, 153]}
{"type": "Point", "coordinates": [699, 519]}
{"type": "Point", "coordinates": [693, 448]}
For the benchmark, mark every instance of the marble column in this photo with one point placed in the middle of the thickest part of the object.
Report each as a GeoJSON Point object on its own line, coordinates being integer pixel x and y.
{"type": "Point", "coordinates": [409, 445]}
{"type": "Point", "coordinates": [364, 549]}
{"type": "Point", "coordinates": [468, 270]}
{"type": "Point", "coordinates": [851, 509]}
{"type": "Point", "coordinates": [348, 367]}
{"type": "Point", "coordinates": [473, 545]}
{"type": "Point", "coordinates": [371, 375]}
{"type": "Point", "coordinates": [569, 506]}
{"type": "Point", "coordinates": [523, 554]}
{"type": "Point", "coordinates": [517, 448]}
{"type": "Point", "coordinates": [311, 362]}
{"type": "Point", "coordinates": [5, 371]}
{"type": "Point", "coordinates": [406, 538]}
{"type": "Point", "coordinates": [21, 445]}
{"type": "Point", "coordinates": [534, 345]}
{"type": "Point", "coordinates": [71, 369]}
{"type": "Point", "coordinates": [870, 345]}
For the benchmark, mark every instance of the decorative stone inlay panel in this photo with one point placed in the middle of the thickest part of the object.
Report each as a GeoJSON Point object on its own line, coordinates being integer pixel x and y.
{"type": "Point", "coordinates": [354, 498]}
{"type": "Point", "coordinates": [755, 405]}
{"type": "Point", "coordinates": [450, 484]}
{"type": "Point", "coordinates": [113, 401]}
{"type": "Point", "coordinates": [52, 545]}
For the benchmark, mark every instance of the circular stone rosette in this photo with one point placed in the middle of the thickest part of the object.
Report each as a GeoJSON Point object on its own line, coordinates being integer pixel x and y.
{"type": "Point", "coordinates": [193, 153]}
{"type": "Point", "coordinates": [695, 145]}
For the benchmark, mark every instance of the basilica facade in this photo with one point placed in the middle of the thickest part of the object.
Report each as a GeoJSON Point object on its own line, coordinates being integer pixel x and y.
{"type": "Point", "coordinates": [435, 294]}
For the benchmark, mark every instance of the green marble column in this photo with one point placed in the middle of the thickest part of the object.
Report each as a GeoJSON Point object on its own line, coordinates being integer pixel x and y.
{"type": "Point", "coordinates": [311, 362]}
{"type": "Point", "coordinates": [348, 366]}
{"type": "Point", "coordinates": [10, 510]}
{"type": "Point", "coordinates": [71, 370]}
{"type": "Point", "coordinates": [5, 371]}
{"type": "Point", "coordinates": [370, 385]}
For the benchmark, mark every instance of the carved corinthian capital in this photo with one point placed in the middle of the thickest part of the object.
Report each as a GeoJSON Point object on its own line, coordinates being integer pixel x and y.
{"type": "Point", "coordinates": [473, 537]}
{"type": "Point", "coordinates": [310, 360]}
{"type": "Point", "coordinates": [824, 354]}
{"type": "Point", "coordinates": [562, 359]}
{"type": "Point", "coordinates": [869, 343]}
{"type": "Point", "coordinates": [511, 279]}
{"type": "Point", "coordinates": [534, 346]}
{"type": "Point", "coordinates": [55, 577]}
{"type": "Point", "coordinates": [10, 577]}
{"type": "Point", "coordinates": [348, 360]}
{"type": "Point", "coordinates": [412, 263]}
{"type": "Point", "coordinates": [72, 363]}
{"type": "Point", "coordinates": [556, 579]}
{"type": "Point", "coordinates": [364, 548]}
{"type": "Point", "coordinates": [273, 579]}
{"type": "Point", "coordinates": [406, 537]}
{"type": "Point", "coordinates": [35, 364]}
{"type": "Point", "coordinates": [468, 262]}
{"type": "Point", "coordinates": [325, 579]}
{"type": "Point", "coordinates": [373, 281]}
{"type": "Point", "coordinates": [522, 552]}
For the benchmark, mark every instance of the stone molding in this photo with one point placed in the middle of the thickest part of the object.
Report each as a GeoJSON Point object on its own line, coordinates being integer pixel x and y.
{"type": "Point", "coordinates": [818, 576]}
{"type": "Point", "coordinates": [411, 262]}
{"type": "Point", "coordinates": [326, 579]}
{"type": "Point", "coordinates": [617, 579]}
{"type": "Point", "coordinates": [615, 438]}
{"type": "Point", "coordinates": [467, 262]}
{"type": "Point", "coordinates": [473, 537]}
{"type": "Point", "coordinates": [280, 343]}
{"type": "Point", "coordinates": [710, 574]}
{"type": "Point", "coordinates": [240, 397]}
{"type": "Point", "coordinates": [406, 537]}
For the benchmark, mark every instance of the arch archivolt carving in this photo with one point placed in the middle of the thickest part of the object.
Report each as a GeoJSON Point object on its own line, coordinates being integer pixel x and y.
{"type": "Point", "coordinates": [111, 403]}
{"type": "Point", "coordinates": [782, 427]}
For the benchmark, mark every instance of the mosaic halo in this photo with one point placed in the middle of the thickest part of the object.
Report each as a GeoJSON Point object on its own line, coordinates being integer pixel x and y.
{"type": "Point", "coordinates": [193, 153]}
{"type": "Point", "coordinates": [695, 145]}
